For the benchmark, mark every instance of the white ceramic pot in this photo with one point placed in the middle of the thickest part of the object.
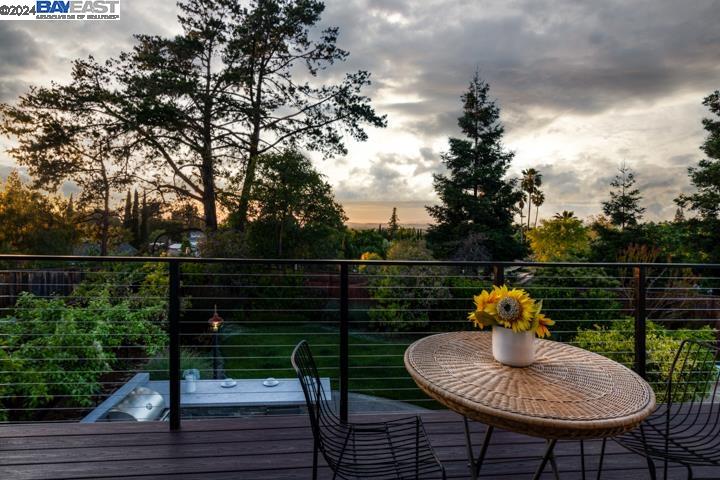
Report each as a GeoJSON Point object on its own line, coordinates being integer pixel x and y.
{"type": "Point", "coordinates": [513, 349]}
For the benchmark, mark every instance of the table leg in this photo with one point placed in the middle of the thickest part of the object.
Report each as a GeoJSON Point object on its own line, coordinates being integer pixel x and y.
{"type": "Point", "coordinates": [476, 465]}
{"type": "Point", "coordinates": [548, 455]}
{"type": "Point", "coordinates": [602, 457]}
{"type": "Point", "coordinates": [553, 464]}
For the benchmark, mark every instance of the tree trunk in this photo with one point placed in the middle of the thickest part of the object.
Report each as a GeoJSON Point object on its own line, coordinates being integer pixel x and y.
{"type": "Point", "coordinates": [105, 226]}
{"type": "Point", "coordinates": [537, 212]}
{"type": "Point", "coordinates": [208, 198]}
{"type": "Point", "coordinates": [208, 172]}
{"type": "Point", "coordinates": [105, 219]}
{"type": "Point", "coordinates": [529, 210]}
{"type": "Point", "coordinates": [254, 151]}
{"type": "Point", "coordinates": [242, 210]}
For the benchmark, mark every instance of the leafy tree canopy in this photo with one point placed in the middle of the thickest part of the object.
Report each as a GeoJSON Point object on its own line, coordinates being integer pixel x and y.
{"type": "Point", "coordinates": [293, 210]}
{"type": "Point", "coordinates": [560, 239]}
{"type": "Point", "coordinates": [58, 143]}
{"type": "Point", "coordinates": [239, 81]}
{"type": "Point", "coordinates": [358, 242]}
{"type": "Point", "coordinates": [32, 222]}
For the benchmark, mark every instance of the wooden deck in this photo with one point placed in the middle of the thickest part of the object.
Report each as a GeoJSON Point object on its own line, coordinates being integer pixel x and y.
{"type": "Point", "coordinates": [272, 447]}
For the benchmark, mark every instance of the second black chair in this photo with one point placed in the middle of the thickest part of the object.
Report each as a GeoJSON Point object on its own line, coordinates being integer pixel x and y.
{"type": "Point", "coordinates": [397, 449]}
{"type": "Point", "coordinates": [685, 428]}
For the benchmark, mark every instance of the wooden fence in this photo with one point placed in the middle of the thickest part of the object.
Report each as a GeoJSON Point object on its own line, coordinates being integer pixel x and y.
{"type": "Point", "coordinates": [43, 283]}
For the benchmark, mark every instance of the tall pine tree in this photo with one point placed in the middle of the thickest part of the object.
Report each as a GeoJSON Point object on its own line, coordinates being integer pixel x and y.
{"type": "Point", "coordinates": [624, 208]}
{"type": "Point", "coordinates": [144, 214]}
{"type": "Point", "coordinates": [393, 225]}
{"type": "Point", "coordinates": [705, 177]}
{"type": "Point", "coordinates": [127, 216]}
{"type": "Point", "coordinates": [135, 220]}
{"type": "Point", "coordinates": [476, 197]}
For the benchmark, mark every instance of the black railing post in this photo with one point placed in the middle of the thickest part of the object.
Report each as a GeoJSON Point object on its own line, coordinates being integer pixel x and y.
{"type": "Point", "coordinates": [498, 275]}
{"type": "Point", "coordinates": [640, 320]}
{"type": "Point", "coordinates": [344, 342]}
{"type": "Point", "coordinates": [174, 327]}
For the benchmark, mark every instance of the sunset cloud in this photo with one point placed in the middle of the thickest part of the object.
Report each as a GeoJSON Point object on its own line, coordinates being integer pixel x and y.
{"type": "Point", "coordinates": [582, 86]}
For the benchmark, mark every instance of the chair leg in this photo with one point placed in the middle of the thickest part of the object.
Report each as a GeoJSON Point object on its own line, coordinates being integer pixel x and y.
{"type": "Point", "coordinates": [582, 458]}
{"type": "Point", "coordinates": [648, 458]}
{"type": "Point", "coordinates": [417, 447]}
{"type": "Point", "coordinates": [315, 459]}
{"type": "Point", "coordinates": [546, 457]}
{"type": "Point", "coordinates": [651, 468]}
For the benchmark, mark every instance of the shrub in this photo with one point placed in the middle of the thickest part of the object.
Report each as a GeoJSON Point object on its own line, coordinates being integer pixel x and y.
{"type": "Point", "coordinates": [576, 297]}
{"type": "Point", "coordinates": [405, 296]}
{"type": "Point", "coordinates": [617, 342]}
{"type": "Point", "coordinates": [57, 352]}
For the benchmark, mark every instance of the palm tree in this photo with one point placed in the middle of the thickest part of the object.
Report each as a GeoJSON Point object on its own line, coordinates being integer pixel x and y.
{"type": "Point", "coordinates": [520, 209]}
{"type": "Point", "coordinates": [538, 199]}
{"type": "Point", "coordinates": [531, 181]}
{"type": "Point", "coordinates": [565, 215]}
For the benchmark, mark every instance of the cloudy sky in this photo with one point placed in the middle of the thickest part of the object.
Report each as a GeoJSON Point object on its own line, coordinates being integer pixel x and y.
{"type": "Point", "coordinates": [582, 86]}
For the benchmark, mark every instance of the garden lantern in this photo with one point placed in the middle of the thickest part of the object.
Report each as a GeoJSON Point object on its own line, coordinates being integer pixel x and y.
{"type": "Point", "coordinates": [215, 323]}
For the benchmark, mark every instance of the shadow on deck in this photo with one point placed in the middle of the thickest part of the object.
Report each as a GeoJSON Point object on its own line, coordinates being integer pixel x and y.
{"type": "Point", "coordinates": [274, 447]}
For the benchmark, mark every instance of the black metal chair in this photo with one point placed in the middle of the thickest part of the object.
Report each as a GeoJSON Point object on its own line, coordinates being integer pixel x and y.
{"type": "Point", "coordinates": [397, 449]}
{"type": "Point", "coordinates": [685, 428]}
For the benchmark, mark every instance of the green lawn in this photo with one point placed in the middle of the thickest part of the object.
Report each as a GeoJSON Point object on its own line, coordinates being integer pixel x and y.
{"type": "Point", "coordinates": [376, 360]}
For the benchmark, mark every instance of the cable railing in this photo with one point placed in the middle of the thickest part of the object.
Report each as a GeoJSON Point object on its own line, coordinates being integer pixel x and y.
{"type": "Point", "coordinates": [82, 333]}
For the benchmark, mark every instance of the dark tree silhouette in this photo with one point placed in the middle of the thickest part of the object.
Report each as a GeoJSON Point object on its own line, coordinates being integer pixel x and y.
{"type": "Point", "coordinates": [393, 225]}
{"type": "Point", "coordinates": [476, 197]}
{"type": "Point", "coordinates": [624, 208]}
{"type": "Point", "coordinates": [706, 175]}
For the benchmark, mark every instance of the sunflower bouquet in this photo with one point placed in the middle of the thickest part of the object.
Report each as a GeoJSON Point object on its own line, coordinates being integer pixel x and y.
{"type": "Point", "coordinates": [512, 309]}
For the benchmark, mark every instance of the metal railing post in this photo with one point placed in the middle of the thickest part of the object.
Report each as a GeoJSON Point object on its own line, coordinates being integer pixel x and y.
{"type": "Point", "coordinates": [498, 275]}
{"type": "Point", "coordinates": [640, 284]}
{"type": "Point", "coordinates": [344, 342]}
{"type": "Point", "coordinates": [174, 328]}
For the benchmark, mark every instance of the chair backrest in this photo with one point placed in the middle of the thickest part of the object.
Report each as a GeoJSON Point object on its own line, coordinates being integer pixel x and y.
{"type": "Point", "coordinates": [324, 421]}
{"type": "Point", "coordinates": [692, 388]}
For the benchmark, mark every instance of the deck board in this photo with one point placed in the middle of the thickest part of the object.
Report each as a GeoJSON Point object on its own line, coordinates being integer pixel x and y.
{"type": "Point", "coordinates": [273, 447]}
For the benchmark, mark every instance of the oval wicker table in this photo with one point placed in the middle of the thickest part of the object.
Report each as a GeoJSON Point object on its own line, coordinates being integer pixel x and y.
{"type": "Point", "coordinates": [568, 393]}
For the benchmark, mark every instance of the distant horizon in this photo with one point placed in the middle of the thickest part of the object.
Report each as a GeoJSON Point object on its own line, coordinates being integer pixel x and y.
{"type": "Point", "coordinates": [369, 214]}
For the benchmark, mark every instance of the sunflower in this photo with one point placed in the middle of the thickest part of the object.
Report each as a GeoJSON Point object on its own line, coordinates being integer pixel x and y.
{"type": "Point", "coordinates": [483, 309]}
{"type": "Point", "coordinates": [513, 309]}
{"type": "Point", "coordinates": [542, 323]}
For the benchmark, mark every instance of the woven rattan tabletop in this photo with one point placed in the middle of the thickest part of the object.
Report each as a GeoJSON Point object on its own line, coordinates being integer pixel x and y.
{"type": "Point", "coordinates": [568, 393]}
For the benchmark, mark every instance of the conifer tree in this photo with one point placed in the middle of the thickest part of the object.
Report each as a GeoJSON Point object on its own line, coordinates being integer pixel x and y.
{"type": "Point", "coordinates": [624, 208]}
{"type": "Point", "coordinates": [475, 196]}
{"type": "Point", "coordinates": [144, 213]}
{"type": "Point", "coordinates": [393, 225]}
{"type": "Point", "coordinates": [70, 211]}
{"type": "Point", "coordinates": [135, 220]}
{"type": "Point", "coordinates": [127, 216]}
{"type": "Point", "coordinates": [705, 177]}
